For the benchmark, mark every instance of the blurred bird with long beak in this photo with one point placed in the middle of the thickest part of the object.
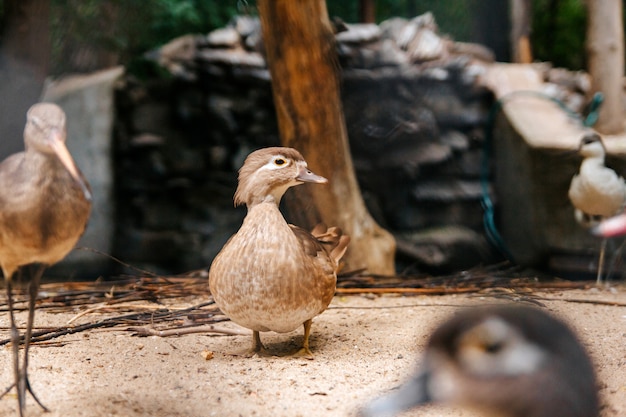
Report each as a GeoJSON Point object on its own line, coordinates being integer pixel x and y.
{"type": "Point", "coordinates": [271, 275]}
{"type": "Point", "coordinates": [596, 192]}
{"type": "Point", "coordinates": [44, 206]}
{"type": "Point", "coordinates": [507, 361]}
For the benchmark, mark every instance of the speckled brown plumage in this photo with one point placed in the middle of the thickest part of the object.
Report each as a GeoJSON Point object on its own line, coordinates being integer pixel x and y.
{"type": "Point", "coordinates": [44, 206]}
{"type": "Point", "coordinates": [272, 276]}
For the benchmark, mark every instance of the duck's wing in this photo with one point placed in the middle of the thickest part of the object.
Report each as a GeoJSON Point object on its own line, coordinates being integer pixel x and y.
{"type": "Point", "coordinates": [322, 240]}
{"type": "Point", "coordinates": [333, 239]}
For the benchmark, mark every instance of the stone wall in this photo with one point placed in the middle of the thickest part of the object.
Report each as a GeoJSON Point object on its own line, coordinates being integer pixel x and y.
{"type": "Point", "coordinates": [415, 112]}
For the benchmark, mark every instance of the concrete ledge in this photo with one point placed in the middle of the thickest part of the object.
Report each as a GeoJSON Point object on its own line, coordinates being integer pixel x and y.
{"type": "Point", "coordinates": [533, 163]}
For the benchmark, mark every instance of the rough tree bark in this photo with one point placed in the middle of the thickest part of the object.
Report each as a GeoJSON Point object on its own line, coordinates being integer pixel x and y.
{"type": "Point", "coordinates": [521, 17]}
{"type": "Point", "coordinates": [301, 56]}
{"type": "Point", "coordinates": [367, 11]}
{"type": "Point", "coordinates": [605, 49]}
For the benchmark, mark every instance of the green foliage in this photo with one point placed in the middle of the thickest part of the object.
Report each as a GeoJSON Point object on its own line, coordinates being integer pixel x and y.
{"type": "Point", "coordinates": [125, 29]}
{"type": "Point", "coordinates": [558, 32]}
{"type": "Point", "coordinates": [452, 16]}
{"type": "Point", "coordinates": [128, 28]}
{"type": "Point", "coordinates": [172, 18]}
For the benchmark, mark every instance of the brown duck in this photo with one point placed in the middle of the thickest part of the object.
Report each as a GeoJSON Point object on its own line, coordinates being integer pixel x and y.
{"type": "Point", "coordinates": [270, 275]}
{"type": "Point", "coordinates": [44, 207]}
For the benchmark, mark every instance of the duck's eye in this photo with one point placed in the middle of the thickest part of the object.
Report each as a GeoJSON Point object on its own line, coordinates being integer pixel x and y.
{"type": "Point", "coordinates": [494, 347]}
{"type": "Point", "coordinates": [279, 161]}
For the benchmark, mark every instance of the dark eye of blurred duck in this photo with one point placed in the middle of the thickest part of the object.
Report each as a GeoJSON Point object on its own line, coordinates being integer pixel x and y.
{"type": "Point", "coordinates": [494, 347]}
{"type": "Point", "coordinates": [279, 162]}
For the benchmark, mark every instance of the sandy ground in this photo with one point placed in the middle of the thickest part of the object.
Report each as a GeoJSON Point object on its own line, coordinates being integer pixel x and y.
{"type": "Point", "coordinates": [363, 346]}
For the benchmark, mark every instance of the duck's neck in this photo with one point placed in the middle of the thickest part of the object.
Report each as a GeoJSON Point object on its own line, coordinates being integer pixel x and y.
{"type": "Point", "coordinates": [266, 204]}
{"type": "Point", "coordinates": [264, 218]}
{"type": "Point", "coordinates": [253, 194]}
{"type": "Point", "coordinates": [266, 199]}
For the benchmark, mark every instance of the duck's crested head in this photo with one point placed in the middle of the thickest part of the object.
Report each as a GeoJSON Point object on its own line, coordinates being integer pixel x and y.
{"type": "Point", "coordinates": [505, 360]}
{"type": "Point", "coordinates": [591, 145]}
{"type": "Point", "coordinates": [268, 172]}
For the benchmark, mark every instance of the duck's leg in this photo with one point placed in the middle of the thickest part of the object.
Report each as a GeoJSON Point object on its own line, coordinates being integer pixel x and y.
{"type": "Point", "coordinates": [257, 348]}
{"type": "Point", "coordinates": [33, 290]}
{"type": "Point", "coordinates": [304, 351]}
{"type": "Point", "coordinates": [257, 345]}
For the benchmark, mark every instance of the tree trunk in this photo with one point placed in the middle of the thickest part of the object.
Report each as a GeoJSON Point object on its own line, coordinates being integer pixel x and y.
{"type": "Point", "coordinates": [605, 49]}
{"type": "Point", "coordinates": [367, 11]}
{"type": "Point", "coordinates": [26, 54]}
{"type": "Point", "coordinates": [301, 57]}
{"type": "Point", "coordinates": [521, 16]}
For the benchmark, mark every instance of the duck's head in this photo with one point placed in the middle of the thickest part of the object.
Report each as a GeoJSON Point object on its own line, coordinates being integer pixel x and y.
{"type": "Point", "coordinates": [591, 146]}
{"type": "Point", "coordinates": [267, 173]}
{"type": "Point", "coordinates": [506, 361]}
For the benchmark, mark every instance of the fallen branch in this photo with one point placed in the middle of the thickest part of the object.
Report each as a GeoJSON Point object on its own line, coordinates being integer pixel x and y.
{"type": "Point", "coordinates": [147, 331]}
{"type": "Point", "coordinates": [498, 281]}
{"type": "Point", "coordinates": [108, 308]}
{"type": "Point", "coordinates": [159, 316]}
{"type": "Point", "coordinates": [402, 290]}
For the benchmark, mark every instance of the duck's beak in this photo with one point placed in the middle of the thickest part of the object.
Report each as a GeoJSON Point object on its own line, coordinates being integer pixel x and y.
{"type": "Point", "coordinates": [412, 393]}
{"type": "Point", "coordinates": [306, 175]}
{"type": "Point", "coordinates": [56, 139]}
{"type": "Point", "coordinates": [615, 226]}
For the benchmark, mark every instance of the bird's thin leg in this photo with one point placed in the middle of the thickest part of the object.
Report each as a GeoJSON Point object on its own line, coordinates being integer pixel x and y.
{"type": "Point", "coordinates": [601, 261]}
{"type": "Point", "coordinates": [15, 344]}
{"type": "Point", "coordinates": [33, 290]}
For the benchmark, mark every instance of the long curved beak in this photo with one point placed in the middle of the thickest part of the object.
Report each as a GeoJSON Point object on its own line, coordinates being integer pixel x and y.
{"type": "Point", "coordinates": [58, 146]}
{"type": "Point", "coordinates": [408, 395]}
